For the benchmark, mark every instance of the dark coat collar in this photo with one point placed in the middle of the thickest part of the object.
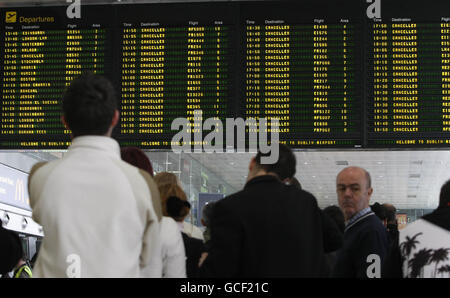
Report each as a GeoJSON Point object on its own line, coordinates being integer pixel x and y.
{"type": "Point", "coordinates": [262, 179]}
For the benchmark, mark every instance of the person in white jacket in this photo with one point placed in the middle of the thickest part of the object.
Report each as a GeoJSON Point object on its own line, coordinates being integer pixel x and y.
{"type": "Point", "coordinates": [95, 209]}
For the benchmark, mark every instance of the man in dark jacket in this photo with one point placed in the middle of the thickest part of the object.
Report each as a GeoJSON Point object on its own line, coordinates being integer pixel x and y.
{"type": "Point", "coordinates": [268, 229]}
{"type": "Point", "coordinates": [10, 250]}
{"type": "Point", "coordinates": [365, 237]}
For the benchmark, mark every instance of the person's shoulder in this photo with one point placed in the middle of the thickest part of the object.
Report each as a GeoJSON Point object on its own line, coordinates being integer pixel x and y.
{"type": "Point", "coordinates": [134, 174]}
{"type": "Point", "coordinates": [191, 239]}
{"type": "Point", "coordinates": [231, 199]}
{"type": "Point", "coordinates": [301, 195]}
{"type": "Point", "coordinates": [439, 217]}
{"type": "Point", "coordinates": [306, 194]}
{"type": "Point", "coordinates": [169, 230]}
{"type": "Point", "coordinates": [35, 168]}
{"type": "Point", "coordinates": [371, 223]}
{"type": "Point", "coordinates": [168, 223]}
{"type": "Point", "coordinates": [42, 170]}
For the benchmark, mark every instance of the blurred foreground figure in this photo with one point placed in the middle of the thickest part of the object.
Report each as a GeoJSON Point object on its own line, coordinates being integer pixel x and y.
{"type": "Point", "coordinates": [95, 209]}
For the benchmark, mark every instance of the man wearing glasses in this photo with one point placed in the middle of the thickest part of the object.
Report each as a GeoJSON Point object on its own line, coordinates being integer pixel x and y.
{"type": "Point", "coordinates": [365, 238]}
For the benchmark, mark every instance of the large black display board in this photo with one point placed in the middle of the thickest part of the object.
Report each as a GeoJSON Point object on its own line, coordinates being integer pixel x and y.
{"type": "Point", "coordinates": [337, 74]}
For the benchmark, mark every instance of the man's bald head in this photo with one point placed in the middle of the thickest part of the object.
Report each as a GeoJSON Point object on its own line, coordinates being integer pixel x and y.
{"type": "Point", "coordinates": [366, 174]}
{"type": "Point", "coordinates": [353, 187]}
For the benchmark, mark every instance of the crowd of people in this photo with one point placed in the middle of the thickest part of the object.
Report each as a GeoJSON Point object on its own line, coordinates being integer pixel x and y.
{"type": "Point", "coordinates": [105, 214]}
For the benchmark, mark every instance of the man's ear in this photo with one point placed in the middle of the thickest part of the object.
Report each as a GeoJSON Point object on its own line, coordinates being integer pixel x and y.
{"type": "Point", "coordinates": [252, 164]}
{"type": "Point", "coordinates": [64, 122]}
{"type": "Point", "coordinates": [115, 118]}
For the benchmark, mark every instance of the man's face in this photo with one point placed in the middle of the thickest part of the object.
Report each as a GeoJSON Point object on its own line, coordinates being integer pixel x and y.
{"type": "Point", "coordinates": [352, 191]}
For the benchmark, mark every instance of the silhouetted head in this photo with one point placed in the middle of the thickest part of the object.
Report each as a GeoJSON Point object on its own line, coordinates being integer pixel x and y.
{"type": "Point", "coordinates": [137, 158]}
{"type": "Point", "coordinates": [170, 190]}
{"type": "Point", "coordinates": [391, 213]}
{"type": "Point", "coordinates": [89, 106]}
{"type": "Point", "coordinates": [284, 168]}
{"type": "Point", "coordinates": [177, 208]}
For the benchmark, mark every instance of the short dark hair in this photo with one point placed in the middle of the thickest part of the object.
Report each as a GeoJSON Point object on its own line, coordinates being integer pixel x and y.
{"type": "Point", "coordinates": [284, 167]}
{"type": "Point", "coordinates": [444, 196]}
{"type": "Point", "coordinates": [177, 208]}
{"type": "Point", "coordinates": [137, 158]}
{"type": "Point", "coordinates": [390, 212]}
{"type": "Point", "coordinates": [89, 104]}
{"type": "Point", "coordinates": [379, 210]}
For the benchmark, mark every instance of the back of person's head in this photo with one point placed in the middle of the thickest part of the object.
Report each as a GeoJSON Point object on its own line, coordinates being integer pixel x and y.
{"type": "Point", "coordinates": [137, 158]}
{"type": "Point", "coordinates": [207, 213]}
{"type": "Point", "coordinates": [89, 104]}
{"type": "Point", "coordinates": [285, 166]}
{"type": "Point", "coordinates": [170, 190]}
{"type": "Point", "coordinates": [165, 178]}
{"type": "Point", "coordinates": [379, 211]}
{"type": "Point", "coordinates": [177, 208]}
{"type": "Point", "coordinates": [335, 213]}
{"type": "Point", "coordinates": [444, 196]}
{"type": "Point", "coordinates": [391, 212]}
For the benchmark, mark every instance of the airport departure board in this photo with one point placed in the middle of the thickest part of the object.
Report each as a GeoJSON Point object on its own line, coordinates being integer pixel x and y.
{"type": "Point", "coordinates": [336, 74]}
{"type": "Point", "coordinates": [303, 66]}
{"type": "Point", "coordinates": [174, 60]}
{"type": "Point", "coordinates": [41, 53]}
{"type": "Point", "coordinates": [408, 58]}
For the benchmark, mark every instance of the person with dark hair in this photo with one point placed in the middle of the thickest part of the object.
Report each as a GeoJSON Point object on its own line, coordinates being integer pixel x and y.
{"type": "Point", "coordinates": [284, 168]}
{"type": "Point", "coordinates": [178, 209]}
{"type": "Point", "coordinates": [379, 211]}
{"type": "Point", "coordinates": [386, 213]}
{"type": "Point", "coordinates": [169, 185]}
{"type": "Point", "coordinates": [269, 229]}
{"type": "Point", "coordinates": [391, 222]}
{"type": "Point", "coordinates": [333, 231]}
{"type": "Point", "coordinates": [365, 238]}
{"type": "Point", "coordinates": [95, 209]}
{"type": "Point", "coordinates": [172, 249]}
{"type": "Point", "coordinates": [422, 248]}
{"type": "Point", "coordinates": [137, 158]}
{"type": "Point", "coordinates": [332, 236]}
{"type": "Point", "coordinates": [335, 213]}
{"type": "Point", "coordinates": [10, 250]}
{"type": "Point", "coordinates": [207, 214]}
